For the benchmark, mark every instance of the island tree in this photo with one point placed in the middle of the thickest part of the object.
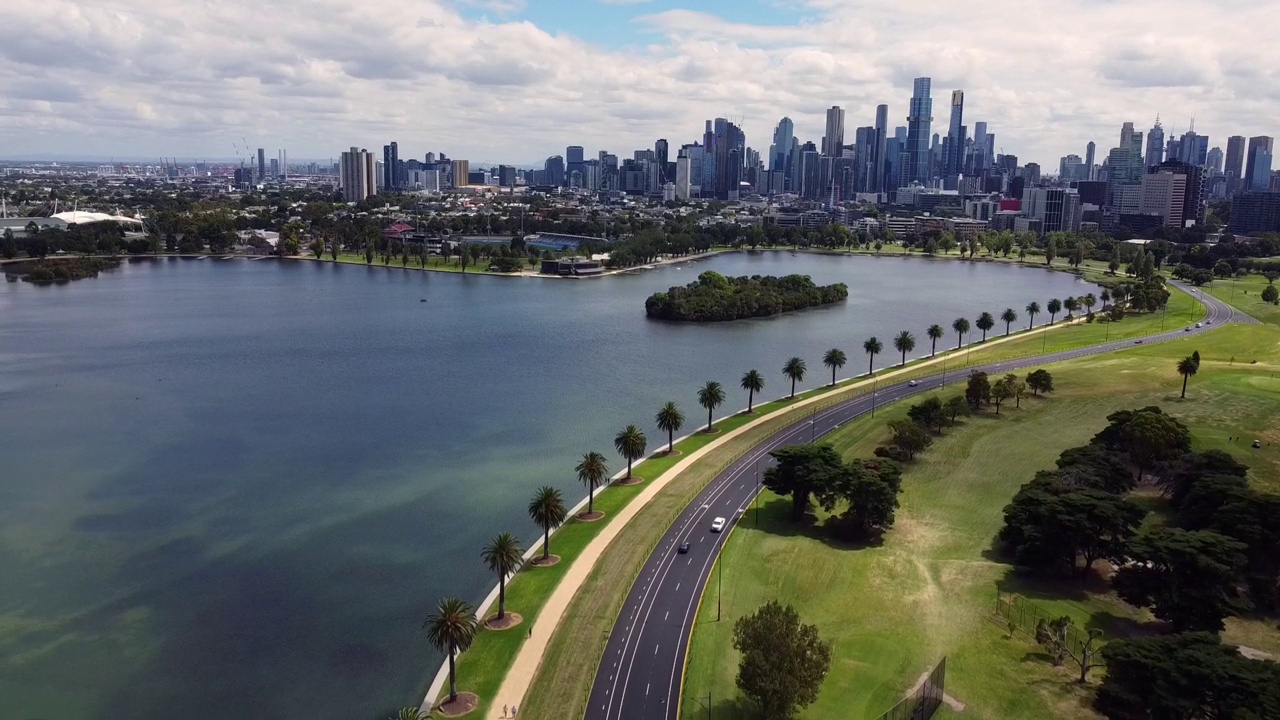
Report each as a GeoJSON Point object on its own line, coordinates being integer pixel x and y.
{"type": "Point", "coordinates": [782, 662]}
{"type": "Point", "coordinates": [752, 382]}
{"type": "Point", "coordinates": [503, 556]}
{"type": "Point", "coordinates": [711, 396]}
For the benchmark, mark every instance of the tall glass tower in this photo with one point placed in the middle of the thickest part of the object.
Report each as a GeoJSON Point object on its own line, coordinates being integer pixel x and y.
{"type": "Point", "coordinates": [919, 125]}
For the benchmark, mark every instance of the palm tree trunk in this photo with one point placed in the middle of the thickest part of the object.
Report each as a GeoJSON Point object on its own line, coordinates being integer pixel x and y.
{"type": "Point", "coordinates": [933, 349]}
{"type": "Point", "coordinates": [959, 340]}
{"type": "Point", "coordinates": [1006, 328]}
{"type": "Point", "coordinates": [751, 396]}
{"type": "Point", "coordinates": [502, 596]}
{"type": "Point", "coordinates": [984, 336]}
{"type": "Point", "coordinates": [871, 363]}
{"type": "Point", "coordinates": [708, 419]}
{"type": "Point", "coordinates": [1184, 385]}
{"type": "Point", "coordinates": [591, 498]}
{"type": "Point", "coordinates": [628, 467]}
{"type": "Point", "coordinates": [793, 387]}
{"type": "Point", "coordinates": [671, 434]}
{"type": "Point", "coordinates": [453, 680]}
{"type": "Point", "coordinates": [904, 358]}
{"type": "Point", "coordinates": [833, 376]}
{"type": "Point", "coordinates": [546, 541]}
{"type": "Point", "coordinates": [1032, 322]}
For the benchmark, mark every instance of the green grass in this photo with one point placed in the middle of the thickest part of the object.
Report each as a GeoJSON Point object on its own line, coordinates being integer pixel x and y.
{"type": "Point", "coordinates": [434, 264]}
{"type": "Point", "coordinates": [1246, 294]}
{"type": "Point", "coordinates": [894, 610]}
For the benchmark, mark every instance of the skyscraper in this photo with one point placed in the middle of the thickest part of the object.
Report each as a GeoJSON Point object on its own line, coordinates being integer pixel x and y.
{"type": "Point", "coordinates": [461, 173]}
{"type": "Point", "coordinates": [781, 146]}
{"type": "Point", "coordinates": [356, 174]}
{"type": "Point", "coordinates": [953, 163]}
{"type": "Point", "coordinates": [1257, 171]}
{"type": "Point", "coordinates": [878, 149]}
{"type": "Point", "coordinates": [573, 162]}
{"type": "Point", "coordinates": [1234, 163]}
{"type": "Point", "coordinates": [981, 148]}
{"type": "Point", "coordinates": [1214, 161]}
{"type": "Point", "coordinates": [390, 159]}
{"type": "Point", "coordinates": [554, 169]}
{"type": "Point", "coordinates": [834, 138]}
{"type": "Point", "coordinates": [660, 157]}
{"type": "Point", "coordinates": [262, 163]}
{"type": "Point", "coordinates": [1193, 149]}
{"type": "Point", "coordinates": [1125, 167]}
{"type": "Point", "coordinates": [1089, 151]}
{"type": "Point", "coordinates": [919, 124]}
{"type": "Point", "coordinates": [1155, 145]}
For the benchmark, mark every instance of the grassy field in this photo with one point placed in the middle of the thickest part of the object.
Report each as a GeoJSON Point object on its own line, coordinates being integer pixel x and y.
{"type": "Point", "coordinates": [892, 611]}
{"type": "Point", "coordinates": [1246, 294]}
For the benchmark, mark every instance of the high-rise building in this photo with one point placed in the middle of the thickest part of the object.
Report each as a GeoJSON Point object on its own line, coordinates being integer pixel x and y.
{"type": "Point", "coordinates": [781, 147]}
{"type": "Point", "coordinates": [1125, 166]}
{"type": "Point", "coordinates": [726, 145]}
{"type": "Point", "coordinates": [573, 161]}
{"type": "Point", "coordinates": [981, 148]}
{"type": "Point", "coordinates": [1155, 145]}
{"type": "Point", "coordinates": [878, 141]}
{"type": "Point", "coordinates": [357, 175]}
{"type": "Point", "coordinates": [833, 140]}
{"type": "Point", "coordinates": [919, 124]}
{"type": "Point", "coordinates": [1255, 211]}
{"type": "Point", "coordinates": [1089, 151]}
{"type": "Point", "coordinates": [262, 163]}
{"type": "Point", "coordinates": [461, 173]}
{"type": "Point", "coordinates": [1214, 161]}
{"type": "Point", "coordinates": [864, 140]}
{"type": "Point", "coordinates": [953, 163]}
{"type": "Point", "coordinates": [1164, 193]}
{"type": "Point", "coordinates": [1194, 189]}
{"type": "Point", "coordinates": [683, 184]}
{"type": "Point", "coordinates": [1234, 163]}
{"type": "Point", "coordinates": [809, 172]}
{"type": "Point", "coordinates": [1257, 169]}
{"type": "Point", "coordinates": [1071, 168]}
{"type": "Point", "coordinates": [554, 169]}
{"type": "Point", "coordinates": [1193, 149]}
{"type": "Point", "coordinates": [390, 160]}
{"type": "Point", "coordinates": [660, 157]}
{"type": "Point", "coordinates": [1057, 209]}
{"type": "Point", "coordinates": [1031, 171]}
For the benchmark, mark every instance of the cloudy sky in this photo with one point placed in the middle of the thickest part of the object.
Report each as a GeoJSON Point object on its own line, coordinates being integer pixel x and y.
{"type": "Point", "coordinates": [517, 80]}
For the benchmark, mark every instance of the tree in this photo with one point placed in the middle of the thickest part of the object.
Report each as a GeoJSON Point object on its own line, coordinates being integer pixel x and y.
{"type": "Point", "coordinates": [1089, 300]}
{"type": "Point", "coordinates": [872, 347]}
{"type": "Point", "coordinates": [869, 489]}
{"type": "Point", "coordinates": [1033, 309]}
{"type": "Point", "coordinates": [711, 396]}
{"type": "Point", "coordinates": [670, 419]}
{"type": "Point", "coordinates": [1150, 437]}
{"type": "Point", "coordinates": [978, 390]}
{"type": "Point", "coordinates": [984, 323]}
{"type": "Point", "coordinates": [1050, 251]}
{"type": "Point", "coordinates": [1052, 636]}
{"type": "Point", "coordinates": [961, 326]}
{"type": "Point", "coordinates": [547, 510]}
{"type": "Point", "coordinates": [1271, 295]}
{"type": "Point", "coordinates": [451, 629]}
{"type": "Point", "coordinates": [1040, 381]}
{"type": "Point", "coordinates": [909, 438]}
{"type": "Point", "coordinates": [955, 407]}
{"type": "Point", "coordinates": [1008, 317]}
{"type": "Point", "coordinates": [1002, 390]}
{"type": "Point", "coordinates": [1187, 367]}
{"type": "Point", "coordinates": [1053, 307]}
{"type": "Point", "coordinates": [630, 443]}
{"type": "Point", "coordinates": [1095, 467]}
{"type": "Point", "coordinates": [592, 472]}
{"type": "Point", "coordinates": [782, 663]}
{"type": "Point", "coordinates": [794, 370]}
{"type": "Point", "coordinates": [1180, 476]}
{"type": "Point", "coordinates": [752, 382]}
{"type": "Point", "coordinates": [1190, 579]}
{"type": "Point", "coordinates": [1019, 389]}
{"type": "Point", "coordinates": [800, 470]}
{"type": "Point", "coordinates": [928, 414]}
{"type": "Point", "coordinates": [1187, 676]}
{"type": "Point", "coordinates": [1051, 523]}
{"type": "Point", "coordinates": [834, 359]}
{"type": "Point", "coordinates": [904, 343]}
{"type": "Point", "coordinates": [935, 333]}
{"type": "Point", "coordinates": [1072, 304]}
{"type": "Point", "coordinates": [1105, 296]}
{"type": "Point", "coordinates": [503, 555]}
{"type": "Point", "coordinates": [411, 713]}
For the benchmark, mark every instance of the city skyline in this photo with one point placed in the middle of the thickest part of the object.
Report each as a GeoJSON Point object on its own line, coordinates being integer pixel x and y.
{"type": "Point", "coordinates": [509, 81]}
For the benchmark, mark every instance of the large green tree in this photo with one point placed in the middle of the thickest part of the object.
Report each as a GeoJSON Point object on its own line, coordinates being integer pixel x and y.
{"type": "Point", "coordinates": [1040, 381]}
{"type": "Point", "coordinates": [451, 629]}
{"type": "Point", "coordinates": [984, 323]}
{"type": "Point", "coordinates": [752, 382]}
{"type": "Point", "coordinates": [1052, 523]}
{"type": "Point", "coordinates": [592, 472]}
{"type": "Point", "coordinates": [794, 370]}
{"type": "Point", "coordinates": [799, 472]}
{"type": "Point", "coordinates": [868, 489]}
{"type": "Point", "coordinates": [547, 510]}
{"type": "Point", "coordinates": [710, 396]}
{"type": "Point", "coordinates": [1187, 367]}
{"type": "Point", "coordinates": [782, 662]}
{"type": "Point", "coordinates": [1191, 579]}
{"type": "Point", "coordinates": [630, 443]}
{"type": "Point", "coordinates": [502, 555]}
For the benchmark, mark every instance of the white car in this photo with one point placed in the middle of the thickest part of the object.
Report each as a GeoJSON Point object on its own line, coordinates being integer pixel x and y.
{"type": "Point", "coordinates": [912, 383]}
{"type": "Point", "coordinates": [1199, 325]}
{"type": "Point", "coordinates": [717, 525]}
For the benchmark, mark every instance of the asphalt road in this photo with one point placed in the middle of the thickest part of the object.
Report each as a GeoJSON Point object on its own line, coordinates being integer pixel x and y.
{"type": "Point", "coordinates": [640, 675]}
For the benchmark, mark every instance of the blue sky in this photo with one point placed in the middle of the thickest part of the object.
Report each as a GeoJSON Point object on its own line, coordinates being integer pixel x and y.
{"type": "Point", "coordinates": [613, 22]}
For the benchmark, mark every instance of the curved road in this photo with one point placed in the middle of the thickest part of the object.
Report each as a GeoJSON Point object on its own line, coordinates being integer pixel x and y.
{"type": "Point", "coordinates": [640, 674]}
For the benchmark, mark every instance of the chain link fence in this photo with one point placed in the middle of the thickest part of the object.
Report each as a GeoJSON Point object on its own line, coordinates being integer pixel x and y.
{"type": "Point", "coordinates": [925, 701]}
{"type": "Point", "coordinates": [1021, 615]}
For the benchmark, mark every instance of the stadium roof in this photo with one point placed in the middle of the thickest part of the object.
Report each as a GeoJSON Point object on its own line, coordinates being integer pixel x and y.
{"type": "Point", "coordinates": [74, 217]}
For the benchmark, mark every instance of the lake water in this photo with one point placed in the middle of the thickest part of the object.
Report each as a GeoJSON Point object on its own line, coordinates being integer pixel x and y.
{"type": "Point", "coordinates": [234, 488]}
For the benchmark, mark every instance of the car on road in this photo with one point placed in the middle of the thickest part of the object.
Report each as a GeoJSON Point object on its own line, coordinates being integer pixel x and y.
{"type": "Point", "coordinates": [1138, 341]}
{"type": "Point", "coordinates": [912, 383]}
{"type": "Point", "coordinates": [684, 547]}
{"type": "Point", "coordinates": [1186, 329]}
{"type": "Point", "coordinates": [717, 525]}
{"type": "Point", "coordinates": [1199, 325]}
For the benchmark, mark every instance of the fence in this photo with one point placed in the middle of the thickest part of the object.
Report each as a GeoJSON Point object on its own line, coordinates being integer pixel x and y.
{"type": "Point", "coordinates": [925, 701]}
{"type": "Point", "coordinates": [1021, 615]}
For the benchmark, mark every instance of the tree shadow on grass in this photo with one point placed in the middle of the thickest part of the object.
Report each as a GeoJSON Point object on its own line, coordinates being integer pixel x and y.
{"type": "Point", "coordinates": [1058, 586]}
{"type": "Point", "coordinates": [775, 519]}
{"type": "Point", "coordinates": [1116, 626]}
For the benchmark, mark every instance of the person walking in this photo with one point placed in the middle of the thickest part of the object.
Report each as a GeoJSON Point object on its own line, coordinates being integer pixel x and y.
{"type": "Point", "coordinates": [504, 711]}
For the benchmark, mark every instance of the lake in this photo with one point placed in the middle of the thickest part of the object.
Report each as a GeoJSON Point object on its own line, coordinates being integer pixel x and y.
{"type": "Point", "coordinates": [235, 488]}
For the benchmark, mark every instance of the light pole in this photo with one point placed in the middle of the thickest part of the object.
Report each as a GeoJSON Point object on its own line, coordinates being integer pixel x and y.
{"type": "Point", "coordinates": [757, 501]}
{"type": "Point", "coordinates": [875, 383]}
{"type": "Point", "coordinates": [719, 584]}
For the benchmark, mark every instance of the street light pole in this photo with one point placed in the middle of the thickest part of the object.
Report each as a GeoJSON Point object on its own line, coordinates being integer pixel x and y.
{"type": "Point", "coordinates": [719, 584]}
{"type": "Point", "coordinates": [757, 502]}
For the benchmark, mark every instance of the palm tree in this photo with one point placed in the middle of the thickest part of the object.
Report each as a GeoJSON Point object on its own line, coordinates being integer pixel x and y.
{"type": "Point", "coordinates": [1072, 304]}
{"type": "Point", "coordinates": [1008, 316]}
{"type": "Point", "coordinates": [985, 322]}
{"type": "Point", "coordinates": [1089, 301]}
{"type": "Point", "coordinates": [752, 382]}
{"type": "Point", "coordinates": [1187, 367]}
{"type": "Point", "coordinates": [410, 713]}
{"type": "Point", "coordinates": [1033, 309]}
{"type": "Point", "coordinates": [670, 418]}
{"type": "Point", "coordinates": [630, 443]}
{"type": "Point", "coordinates": [547, 509]}
{"type": "Point", "coordinates": [1053, 307]}
{"type": "Point", "coordinates": [795, 370]}
{"type": "Point", "coordinates": [1119, 294]}
{"type": "Point", "coordinates": [961, 326]}
{"type": "Point", "coordinates": [711, 396]}
{"type": "Point", "coordinates": [935, 333]}
{"type": "Point", "coordinates": [1105, 296]}
{"type": "Point", "coordinates": [904, 343]}
{"type": "Point", "coordinates": [835, 360]}
{"type": "Point", "coordinates": [872, 347]}
{"type": "Point", "coordinates": [592, 472]}
{"type": "Point", "coordinates": [451, 628]}
{"type": "Point", "coordinates": [502, 555]}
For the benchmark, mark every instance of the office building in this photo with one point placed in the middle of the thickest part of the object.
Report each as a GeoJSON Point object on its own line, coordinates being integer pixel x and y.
{"type": "Point", "coordinates": [390, 160]}
{"type": "Point", "coordinates": [1213, 162]}
{"type": "Point", "coordinates": [660, 157]}
{"type": "Point", "coordinates": [917, 166]}
{"type": "Point", "coordinates": [981, 149]}
{"type": "Point", "coordinates": [722, 168]}
{"type": "Point", "coordinates": [262, 164]}
{"type": "Point", "coordinates": [1233, 163]}
{"type": "Point", "coordinates": [1155, 144]}
{"type": "Point", "coordinates": [554, 169]}
{"type": "Point", "coordinates": [461, 173]}
{"type": "Point", "coordinates": [1071, 168]}
{"type": "Point", "coordinates": [1257, 171]}
{"type": "Point", "coordinates": [1193, 149]}
{"type": "Point", "coordinates": [1195, 189]}
{"type": "Point", "coordinates": [833, 140]}
{"type": "Point", "coordinates": [1057, 209]}
{"type": "Point", "coordinates": [1164, 194]}
{"type": "Point", "coordinates": [1031, 171]}
{"type": "Point", "coordinates": [953, 162]}
{"type": "Point", "coordinates": [780, 150]}
{"type": "Point", "coordinates": [1089, 151]}
{"type": "Point", "coordinates": [573, 161]}
{"type": "Point", "coordinates": [809, 173]}
{"type": "Point", "coordinates": [1255, 211]}
{"type": "Point", "coordinates": [880, 137]}
{"type": "Point", "coordinates": [1125, 166]}
{"type": "Point", "coordinates": [684, 186]}
{"type": "Point", "coordinates": [357, 175]}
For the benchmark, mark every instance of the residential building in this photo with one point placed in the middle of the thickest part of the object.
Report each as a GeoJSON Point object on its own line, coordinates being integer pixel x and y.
{"type": "Point", "coordinates": [833, 140]}
{"type": "Point", "coordinates": [357, 176]}
{"type": "Point", "coordinates": [683, 185]}
{"type": "Point", "coordinates": [461, 173]}
{"type": "Point", "coordinates": [953, 162]}
{"type": "Point", "coordinates": [1163, 194]}
{"type": "Point", "coordinates": [877, 165]}
{"type": "Point", "coordinates": [1089, 151]}
{"type": "Point", "coordinates": [917, 166]}
{"type": "Point", "coordinates": [390, 160]}
{"type": "Point", "coordinates": [262, 164]}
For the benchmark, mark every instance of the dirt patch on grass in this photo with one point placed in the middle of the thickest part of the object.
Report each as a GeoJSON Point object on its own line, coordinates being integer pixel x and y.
{"type": "Point", "coordinates": [592, 516]}
{"type": "Point", "coordinates": [508, 621]}
{"type": "Point", "coordinates": [633, 480]}
{"type": "Point", "coordinates": [465, 703]}
{"type": "Point", "coordinates": [541, 562]}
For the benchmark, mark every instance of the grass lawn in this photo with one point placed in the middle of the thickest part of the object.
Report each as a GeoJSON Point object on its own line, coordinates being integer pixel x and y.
{"type": "Point", "coordinates": [434, 263]}
{"type": "Point", "coordinates": [1246, 294]}
{"type": "Point", "coordinates": [892, 611]}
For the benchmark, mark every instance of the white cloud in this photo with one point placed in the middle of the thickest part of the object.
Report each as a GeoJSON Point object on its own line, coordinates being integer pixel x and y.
{"type": "Point", "coordinates": [135, 77]}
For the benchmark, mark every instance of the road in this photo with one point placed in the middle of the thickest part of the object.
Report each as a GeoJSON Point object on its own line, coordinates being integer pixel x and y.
{"type": "Point", "coordinates": [640, 674]}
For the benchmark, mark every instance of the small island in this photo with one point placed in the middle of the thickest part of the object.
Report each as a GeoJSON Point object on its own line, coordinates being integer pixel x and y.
{"type": "Point", "coordinates": [714, 297]}
{"type": "Point", "coordinates": [50, 271]}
